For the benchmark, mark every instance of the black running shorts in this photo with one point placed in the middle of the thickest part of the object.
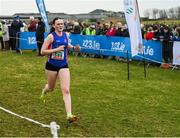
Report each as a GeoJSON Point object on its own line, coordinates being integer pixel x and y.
{"type": "Point", "coordinates": [51, 67]}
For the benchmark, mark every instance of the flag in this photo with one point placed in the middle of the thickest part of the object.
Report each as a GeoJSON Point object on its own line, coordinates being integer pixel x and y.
{"type": "Point", "coordinates": [176, 53]}
{"type": "Point", "coordinates": [134, 27]}
{"type": "Point", "coordinates": [42, 10]}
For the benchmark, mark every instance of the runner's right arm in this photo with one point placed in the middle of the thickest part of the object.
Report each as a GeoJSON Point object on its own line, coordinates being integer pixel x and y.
{"type": "Point", "coordinates": [48, 41]}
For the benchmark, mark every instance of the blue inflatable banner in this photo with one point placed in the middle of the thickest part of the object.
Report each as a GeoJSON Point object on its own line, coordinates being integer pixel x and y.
{"type": "Point", "coordinates": [27, 41]}
{"type": "Point", "coordinates": [117, 46]}
{"type": "Point", "coordinates": [42, 10]}
{"type": "Point", "coordinates": [102, 45]}
{"type": "Point", "coordinates": [152, 51]}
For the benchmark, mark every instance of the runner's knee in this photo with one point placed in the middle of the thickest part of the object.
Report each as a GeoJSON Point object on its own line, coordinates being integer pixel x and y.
{"type": "Point", "coordinates": [65, 90]}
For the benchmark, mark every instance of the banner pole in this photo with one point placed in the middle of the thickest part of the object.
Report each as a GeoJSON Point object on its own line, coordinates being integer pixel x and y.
{"type": "Point", "coordinates": [128, 74]}
{"type": "Point", "coordinates": [145, 73]}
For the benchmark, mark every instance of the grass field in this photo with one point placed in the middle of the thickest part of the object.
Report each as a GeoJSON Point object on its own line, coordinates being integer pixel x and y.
{"type": "Point", "coordinates": [165, 21]}
{"type": "Point", "coordinates": [106, 102]}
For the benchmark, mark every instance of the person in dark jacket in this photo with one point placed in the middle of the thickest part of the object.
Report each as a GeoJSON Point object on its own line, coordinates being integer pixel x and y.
{"type": "Point", "coordinates": [76, 28]}
{"type": "Point", "coordinates": [176, 36]}
{"type": "Point", "coordinates": [157, 33]}
{"type": "Point", "coordinates": [99, 28]}
{"type": "Point", "coordinates": [40, 34]}
{"type": "Point", "coordinates": [166, 43]}
{"type": "Point", "coordinates": [15, 28]}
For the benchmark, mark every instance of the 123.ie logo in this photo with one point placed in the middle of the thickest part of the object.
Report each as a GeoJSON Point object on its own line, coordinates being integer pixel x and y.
{"type": "Point", "coordinates": [31, 40]}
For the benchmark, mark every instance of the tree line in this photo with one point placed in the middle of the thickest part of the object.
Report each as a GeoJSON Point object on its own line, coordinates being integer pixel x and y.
{"type": "Point", "coordinates": [172, 13]}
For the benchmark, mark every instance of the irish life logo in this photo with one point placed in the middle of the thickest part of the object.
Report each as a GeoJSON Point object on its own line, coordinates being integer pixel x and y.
{"type": "Point", "coordinates": [129, 10]}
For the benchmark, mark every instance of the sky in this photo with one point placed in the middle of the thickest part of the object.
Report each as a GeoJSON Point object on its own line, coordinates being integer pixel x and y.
{"type": "Point", "coordinates": [9, 7]}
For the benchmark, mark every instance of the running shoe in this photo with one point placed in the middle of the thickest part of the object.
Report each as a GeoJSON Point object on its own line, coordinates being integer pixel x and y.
{"type": "Point", "coordinates": [42, 97]}
{"type": "Point", "coordinates": [72, 119]}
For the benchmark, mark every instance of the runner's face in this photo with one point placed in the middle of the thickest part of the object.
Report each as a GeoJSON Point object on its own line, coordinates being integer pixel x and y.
{"type": "Point", "coordinates": [59, 25]}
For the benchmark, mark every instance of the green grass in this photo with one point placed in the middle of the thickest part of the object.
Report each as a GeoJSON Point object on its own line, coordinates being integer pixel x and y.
{"type": "Point", "coordinates": [165, 21]}
{"type": "Point", "coordinates": [106, 102]}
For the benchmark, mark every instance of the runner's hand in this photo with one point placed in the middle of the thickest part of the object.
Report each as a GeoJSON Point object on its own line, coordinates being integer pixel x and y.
{"type": "Point", "coordinates": [77, 48]}
{"type": "Point", "coordinates": [60, 48]}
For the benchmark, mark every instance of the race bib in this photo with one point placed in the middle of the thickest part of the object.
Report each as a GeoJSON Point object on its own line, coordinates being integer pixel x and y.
{"type": "Point", "coordinates": [58, 55]}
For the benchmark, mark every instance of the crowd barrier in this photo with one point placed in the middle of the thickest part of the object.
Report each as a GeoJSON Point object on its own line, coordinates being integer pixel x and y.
{"type": "Point", "coordinates": [27, 41]}
{"type": "Point", "coordinates": [117, 46]}
{"type": "Point", "coordinates": [101, 45]}
{"type": "Point", "coordinates": [176, 53]}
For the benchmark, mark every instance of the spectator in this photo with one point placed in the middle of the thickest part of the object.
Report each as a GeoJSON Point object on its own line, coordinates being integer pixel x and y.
{"type": "Point", "coordinates": [40, 34]}
{"type": "Point", "coordinates": [99, 29]}
{"type": "Point", "coordinates": [125, 31]}
{"type": "Point", "coordinates": [150, 34]}
{"type": "Point", "coordinates": [1, 36]}
{"type": "Point", "coordinates": [69, 27]}
{"type": "Point", "coordinates": [24, 28]}
{"type": "Point", "coordinates": [105, 28]}
{"type": "Point", "coordinates": [122, 30]}
{"type": "Point", "coordinates": [15, 28]}
{"type": "Point", "coordinates": [111, 24]}
{"type": "Point", "coordinates": [143, 30]}
{"type": "Point", "coordinates": [111, 31]}
{"type": "Point", "coordinates": [32, 24]}
{"type": "Point", "coordinates": [157, 33]}
{"type": "Point", "coordinates": [176, 36]}
{"type": "Point", "coordinates": [88, 30]}
{"type": "Point", "coordinates": [76, 28]}
{"type": "Point", "coordinates": [167, 48]}
{"type": "Point", "coordinates": [118, 29]}
{"type": "Point", "coordinates": [10, 37]}
{"type": "Point", "coordinates": [92, 29]}
{"type": "Point", "coordinates": [5, 35]}
{"type": "Point", "coordinates": [85, 30]}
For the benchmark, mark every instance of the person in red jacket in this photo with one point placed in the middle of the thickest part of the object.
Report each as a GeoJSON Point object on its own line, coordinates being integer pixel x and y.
{"type": "Point", "coordinates": [150, 34]}
{"type": "Point", "coordinates": [32, 25]}
{"type": "Point", "coordinates": [112, 30]}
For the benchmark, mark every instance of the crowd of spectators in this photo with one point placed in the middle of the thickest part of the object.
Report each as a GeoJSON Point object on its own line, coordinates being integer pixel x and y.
{"type": "Point", "coordinates": [108, 29]}
{"type": "Point", "coordinates": [157, 32]}
{"type": "Point", "coordinates": [166, 34]}
{"type": "Point", "coordinates": [10, 32]}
